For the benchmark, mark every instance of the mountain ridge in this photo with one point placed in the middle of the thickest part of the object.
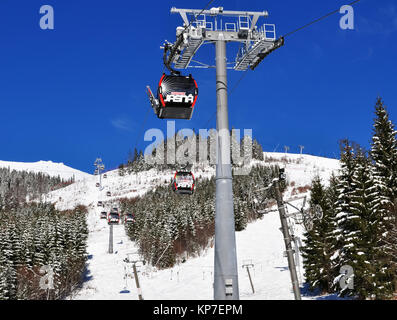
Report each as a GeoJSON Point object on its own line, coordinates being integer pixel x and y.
{"type": "Point", "coordinates": [50, 168]}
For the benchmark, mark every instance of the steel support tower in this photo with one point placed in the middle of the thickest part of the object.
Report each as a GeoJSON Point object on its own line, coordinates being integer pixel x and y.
{"type": "Point", "coordinates": [99, 167]}
{"type": "Point", "coordinates": [287, 240]}
{"type": "Point", "coordinates": [207, 26]}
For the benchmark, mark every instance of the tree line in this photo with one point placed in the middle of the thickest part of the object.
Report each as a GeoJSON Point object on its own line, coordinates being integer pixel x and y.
{"type": "Point", "coordinates": [171, 227]}
{"type": "Point", "coordinates": [40, 247]}
{"type": "Point", "coordinates": [19, 186]}
{"type": "Point", "coordinates": [42, 251]}
{"type": "Point", "coordinates": [359, 227]}
{"type": "Point", "coordinates": [203, 153]}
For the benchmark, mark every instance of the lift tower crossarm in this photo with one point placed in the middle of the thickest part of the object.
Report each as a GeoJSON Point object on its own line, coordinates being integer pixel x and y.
{"type": "Point", "coordinates": [219, 11]}
{"type": "Point", "coordinates": [257, 42]}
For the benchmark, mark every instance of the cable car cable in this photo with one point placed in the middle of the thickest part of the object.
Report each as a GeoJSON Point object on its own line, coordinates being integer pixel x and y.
{"type": "Point", "coordinates": [317, 20]}
{"type": "Point", "coordinates": [287, 35]}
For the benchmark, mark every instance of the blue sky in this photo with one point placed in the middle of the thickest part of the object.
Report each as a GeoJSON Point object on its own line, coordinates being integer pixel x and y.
{"type": "Point", "coordinates": [78, 92]}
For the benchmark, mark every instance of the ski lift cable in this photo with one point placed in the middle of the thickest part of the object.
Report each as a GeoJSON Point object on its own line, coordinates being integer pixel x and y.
{"type": "Point", "coordinates": [318, 20]}
{"type": "Point", "coordinates": [284, 36]}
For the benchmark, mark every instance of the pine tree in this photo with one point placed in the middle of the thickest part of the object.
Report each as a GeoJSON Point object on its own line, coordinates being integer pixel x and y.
{"type": "Point", "coordinates": [317, 251]}
{"type": "Point", "coordinates": [370, 271]}
{"type": "Point", "coordinates": [257, 151]}
{"type": "Point", "coordinates": [384, 150]}
{"type": "Point", "coordinates": [384, 155]}
{"type": "Point", "coordinates": [332, 195]}
{"type": "Point", "coordinates": [348, 231]}
{"type": "Point", "coordinates": [121, 170]}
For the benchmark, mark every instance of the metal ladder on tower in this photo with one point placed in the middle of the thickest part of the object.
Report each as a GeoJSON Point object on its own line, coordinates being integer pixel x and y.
{"type": "Point", "coordinates": [259, 47]}
{"type": "Point", "coordinates": [188, 53]}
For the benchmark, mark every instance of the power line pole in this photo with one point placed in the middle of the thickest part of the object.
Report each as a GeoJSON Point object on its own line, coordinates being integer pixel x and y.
{"type": "Point", "coordinates": [301, 148]}
{"type": "Point", "coordinates": [287, 237]}
{"type": "Point", "coordinates": [255, 44]}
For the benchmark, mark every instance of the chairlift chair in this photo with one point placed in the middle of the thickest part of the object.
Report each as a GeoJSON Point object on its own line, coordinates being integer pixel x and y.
{"type": "Point", "coordinates": [176, 97]}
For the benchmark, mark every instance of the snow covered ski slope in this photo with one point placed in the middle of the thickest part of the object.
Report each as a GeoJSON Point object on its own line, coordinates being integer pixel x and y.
{"type": "Point", "coordinates": [51, 168]}
{"type": "Point", "coordinates": [261, 244]}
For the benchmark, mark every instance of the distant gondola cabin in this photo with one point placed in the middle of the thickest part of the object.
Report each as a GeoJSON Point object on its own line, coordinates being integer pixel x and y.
{"type": "Point", "coordinates": [183, 182]}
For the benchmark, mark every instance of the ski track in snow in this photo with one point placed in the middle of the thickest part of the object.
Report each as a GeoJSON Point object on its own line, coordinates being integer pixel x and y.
{"type": "Point", "coordinates": [261, 243]}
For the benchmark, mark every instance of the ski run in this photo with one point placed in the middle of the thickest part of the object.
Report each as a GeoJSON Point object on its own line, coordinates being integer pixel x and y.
{"type": "Point", "coordinates": [109, 277]}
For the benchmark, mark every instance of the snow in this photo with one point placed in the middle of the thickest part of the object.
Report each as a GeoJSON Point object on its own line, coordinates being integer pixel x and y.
{"type": "Point", "coordinates": [261, 243]}
{"type": "Point", "coordinates": [192, 279]}
{"type": "Point", "coordinates": [48, 167]}
{"type": "Point", "coordinates": [303, 168]}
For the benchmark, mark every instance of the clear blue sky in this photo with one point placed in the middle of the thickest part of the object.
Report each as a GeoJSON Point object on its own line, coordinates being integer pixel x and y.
{"type": "Point", "coordinates": [78, 92]}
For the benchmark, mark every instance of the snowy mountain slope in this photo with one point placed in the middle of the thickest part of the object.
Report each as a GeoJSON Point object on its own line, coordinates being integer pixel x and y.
{"type": "Point", "coordinates": [261, 243]}
{"type": "Point", "coordinates": [86, 193]}
{"type": "Point", "coordinates": [301, 169]}
{"type": "Point", "coordinates": [48, 167]}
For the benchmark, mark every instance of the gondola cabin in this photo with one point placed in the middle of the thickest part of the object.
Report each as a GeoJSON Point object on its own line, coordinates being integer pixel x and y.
{"type": "Point", "coordinates": [113, 218]}
{"type": "Point", "coordinates": [129, 218]}
{"type": "Point", "coordinates": [183, 182]}
{"type": "Point", "coordinates": [176, 97]}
